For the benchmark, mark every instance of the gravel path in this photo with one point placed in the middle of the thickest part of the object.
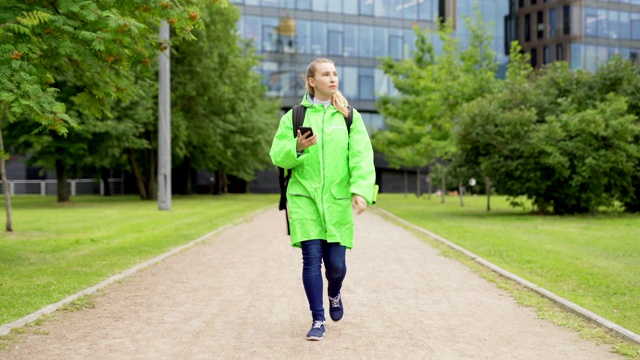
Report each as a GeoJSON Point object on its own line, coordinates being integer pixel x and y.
{"type": "Point", "coordinates": [239, 295]}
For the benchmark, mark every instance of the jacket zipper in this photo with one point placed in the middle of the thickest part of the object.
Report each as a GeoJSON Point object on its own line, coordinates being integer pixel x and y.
{"type": "Point", "coordinates": [324, 220]}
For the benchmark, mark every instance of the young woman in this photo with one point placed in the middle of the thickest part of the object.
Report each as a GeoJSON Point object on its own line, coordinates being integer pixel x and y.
{"type": "Point", "coordinates": [332, 172]}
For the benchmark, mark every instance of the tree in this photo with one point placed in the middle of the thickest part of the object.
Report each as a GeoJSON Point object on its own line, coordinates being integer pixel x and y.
{"type": "Point", "coordinates": [432, 88]}
{"type": "Point", "coordinates": [222, 119]}
{"type": "Point", "coordinates": [92, 44]}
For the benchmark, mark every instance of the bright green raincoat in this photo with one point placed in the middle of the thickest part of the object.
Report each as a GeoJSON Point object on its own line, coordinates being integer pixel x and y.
{"type": "Point", "coordinates": [326, 175]}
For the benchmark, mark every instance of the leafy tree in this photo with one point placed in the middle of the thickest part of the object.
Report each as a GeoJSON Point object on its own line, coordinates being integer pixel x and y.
{"type": "Point", "coordinates": [221, 119]}
{"type": "Point", "coordinates": [93, 44]}
{"type": "Point", "coordinates": [422, 119]}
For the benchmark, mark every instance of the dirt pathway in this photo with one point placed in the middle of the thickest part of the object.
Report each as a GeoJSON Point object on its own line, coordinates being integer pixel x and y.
{"type": "Point", "coordinates": [239, 296]}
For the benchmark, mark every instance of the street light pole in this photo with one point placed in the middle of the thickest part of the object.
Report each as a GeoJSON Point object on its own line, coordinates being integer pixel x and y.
{"type": "Point", "coordinates": [164, 122]}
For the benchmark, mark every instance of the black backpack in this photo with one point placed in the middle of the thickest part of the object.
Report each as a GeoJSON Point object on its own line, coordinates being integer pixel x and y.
{"type": "Point", "coordinates": [284, 175]}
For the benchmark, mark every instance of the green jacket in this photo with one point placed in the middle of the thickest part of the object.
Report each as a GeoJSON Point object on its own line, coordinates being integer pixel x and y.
{"type": "Point", "coordinates": [326, 175]}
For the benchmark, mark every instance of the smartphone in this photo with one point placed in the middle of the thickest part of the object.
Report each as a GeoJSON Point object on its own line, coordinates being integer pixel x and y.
{"type": "Point", "coordinates": [304, 129]}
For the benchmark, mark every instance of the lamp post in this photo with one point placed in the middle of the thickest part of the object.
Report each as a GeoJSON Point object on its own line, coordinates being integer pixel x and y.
{"type": "Point", "coordinates": [164, 122]}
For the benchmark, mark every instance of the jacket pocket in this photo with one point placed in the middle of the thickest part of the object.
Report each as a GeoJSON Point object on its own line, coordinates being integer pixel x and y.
{"type": "Point", "coordinates": [341, 192]}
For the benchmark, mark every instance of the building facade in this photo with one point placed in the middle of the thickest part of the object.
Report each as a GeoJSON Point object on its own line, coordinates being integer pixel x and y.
{"type": "Point", "coordinates": [585, 33]}
{"type": "Point", "coordinates": [289, 34]}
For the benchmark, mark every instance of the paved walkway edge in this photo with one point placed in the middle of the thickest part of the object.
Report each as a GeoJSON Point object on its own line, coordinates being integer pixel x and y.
{"type": "Point", "coordinates": [575, 308]}
{"type": "Point", "coordinates": [6, 329]}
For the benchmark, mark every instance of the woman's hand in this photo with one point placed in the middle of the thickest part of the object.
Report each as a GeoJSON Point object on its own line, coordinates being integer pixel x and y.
{"type": "Point", "coordinates": [305, 142]}
{"type": "Point", "coordinates": [358, 203]}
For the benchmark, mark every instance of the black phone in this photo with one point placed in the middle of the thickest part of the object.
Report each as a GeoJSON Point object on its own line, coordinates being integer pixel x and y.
{"type": "Point", "coordinates": [304, 129]}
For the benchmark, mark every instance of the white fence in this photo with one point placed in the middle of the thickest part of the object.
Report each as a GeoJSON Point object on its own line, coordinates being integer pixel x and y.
{"type": "Point", "coordinates": [50, 187]}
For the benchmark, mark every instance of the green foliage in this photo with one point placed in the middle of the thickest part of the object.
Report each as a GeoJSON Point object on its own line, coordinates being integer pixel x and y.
{"type": "Point", "coordinates": [564, 139]}
{"type": "Point", "coordinates": [222, 119]}
{"type": "Point", "coordinates": [94, 44]}
{"type": "Point", "coordinates": [422, 118]}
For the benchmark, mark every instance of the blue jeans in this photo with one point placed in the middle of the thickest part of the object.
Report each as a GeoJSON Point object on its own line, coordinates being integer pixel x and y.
{"type": "Point", "coordinates": [313, 254]}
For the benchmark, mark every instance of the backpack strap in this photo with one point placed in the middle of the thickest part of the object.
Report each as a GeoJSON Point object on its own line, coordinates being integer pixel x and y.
{"type": "Point", "coordinates": [349, 119]}
{"type": "Point", "coordinates": [299, 112]}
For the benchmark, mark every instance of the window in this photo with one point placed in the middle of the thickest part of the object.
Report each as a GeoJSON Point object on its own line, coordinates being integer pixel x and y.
{"type": "Point", "coordinates": [559, 52]}
{"type": "Point", "coordinates": [633, 56]}
{"type": "Point", "coordinates": [527, 27]}
{"type": "Point", "coordinates": [395, 46]}
{"type": "Point", "coordinates": [365, 43]}
{"type": "Point", "coordinates": [566, 20]}
{"type": "Point", "coordinates": [335, 42]}
{"type": "Point", "coordinates": [552, 23]}
{"type": "Point", "coordinates": [350, 40]}
{"type": "Point", "coordinates": [546, 51]}
{"type": "Point", "coordinates": [590, 21]}
{"type": "Point", "coordinates": [365, 87]}
{"type": "Point", "coordinates": [533, 2]}
{"type": "Point", "coordinates": [539, 25]}
{"type": "Point", "coordinates": [534, 57]}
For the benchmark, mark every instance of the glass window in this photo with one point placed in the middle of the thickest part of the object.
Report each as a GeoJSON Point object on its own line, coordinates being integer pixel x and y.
{"type": "Point", "coordinates": [395, 47]}
{"type": "Point", "coordinates": [566, 20]}
{"type": "Point", "coordinates": [527, 27]}
{"type": "Point", "coordinates": [271, 78]}
{"type": "Point", "coordinates": [410, 43]}
{"type": "Point", "coordinates": [272, 3]}
{"type": "Point", "coordinates": [559, 52]}
{"type": "Point", "coordinates": [539, 25]}
{"type": "Point", "coordinates": [303, 4]}
{"type": "Point", "coordinates": [546, 55]}
{"type": "Point", "coordinates": [350, 40]}
{"type": "Point", "coordinates": [590, 57]}
{"type": "Point", "coordinates": [335, 42]}
{"type": "Point", "coordinates": [576, 56]}
{"type": "Point", "coordinates": [319, 38]}
{"type": "Point", "coordinates": [590, 21]}
{"type": "Point", "coordinates": [552, 23]}
{"type": "Point", "coordinates": [366, 7]}
{"type": "Point", "coordinates": [635, 26]}
{"type": "Point", "coordinates": [365, 87]}
{"type": "Point", "coordinates": [534, 57]}
{"type": "Point", "coordinates": [425, 10]}
{"type": "Point", "coordinates": [251, 29]}
{"type": "Point", "coordinates": [365, 44]}
{"type": "Point", "coordinates": [380, 46]}
{"type": "Point", "coordinates": [319, 5]}
{"type": "Point", "coordinates": [382, 83]}
{"type": "Point", "coordinates": [269, 33]}
{"type": "Point", "coordinates": [303, 36]}
{"type": "Point", "coordinates": [625, 26]}
{"type": "Point", "coordinates": [602, 23]}
{"type": "Point", "coordinates": [351, 7]}
{"type": "Point", "coordinates": [349, 82]}
{"type": "Point", "coordinates": [381, 8]}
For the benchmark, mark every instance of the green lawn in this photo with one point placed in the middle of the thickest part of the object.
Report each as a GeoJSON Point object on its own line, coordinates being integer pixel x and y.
{"type": "Point", "coordinates": [593, 261]}
{"type": "Point", "coordinates": [57, 250]}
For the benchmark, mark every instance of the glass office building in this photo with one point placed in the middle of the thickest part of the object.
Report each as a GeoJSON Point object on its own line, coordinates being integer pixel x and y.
{"type": "Point", "coordinates": [584, 33]}
{"type": "Point", "coordinates": [289, 34]}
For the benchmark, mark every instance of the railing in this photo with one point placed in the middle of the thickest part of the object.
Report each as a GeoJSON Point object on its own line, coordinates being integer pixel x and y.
{"type": "Point", "coordinates": [50, 187]}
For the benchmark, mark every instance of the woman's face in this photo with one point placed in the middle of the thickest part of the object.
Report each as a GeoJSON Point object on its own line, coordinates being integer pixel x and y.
{"type": "Point", "coordinates": [325, 81]}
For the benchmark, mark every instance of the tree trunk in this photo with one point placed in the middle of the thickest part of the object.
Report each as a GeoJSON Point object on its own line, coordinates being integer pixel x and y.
{"type": "Point", "coordinates": [488, 185]}
{"type": "Point", "coordinates": [418, 183]}
{"type": "Point", "coordinates": [142, 190]}
{"type": "Point", "coordinates": [444, 183]}
{"type": "Point", "coordinates": [5, 184]}
{"type": "Point", "coordinates": [460, 193]}
{"type": "Point", "coordinates": [406, 183]}
{"type": "Point", "coordinates": [152, 184]}
{"type": "Point", "coordinates": [429, 189]}
{"type": "Point", "coordinates": [61, 175]}
{"type": "Point", "coordinates": [105, 174]}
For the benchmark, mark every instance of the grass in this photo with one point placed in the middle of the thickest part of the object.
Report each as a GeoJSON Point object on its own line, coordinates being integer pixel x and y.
{"type": "Point", "coordinates": [57, 250]}
{"type": "Point", "coordinates": [592, 261]}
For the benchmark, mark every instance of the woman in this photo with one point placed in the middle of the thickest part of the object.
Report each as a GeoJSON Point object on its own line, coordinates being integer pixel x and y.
{"type": "Point", "coordinates": [332, 169]}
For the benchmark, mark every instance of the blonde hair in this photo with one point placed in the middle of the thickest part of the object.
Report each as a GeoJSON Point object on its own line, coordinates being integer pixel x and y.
{"type": "Point", "coordinates": [338, 100]}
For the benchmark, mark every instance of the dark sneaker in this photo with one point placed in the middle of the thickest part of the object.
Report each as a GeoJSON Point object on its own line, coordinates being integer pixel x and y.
{"type": "Point", "coordinates": [335, 308]}
{"type": "Point", "coordinates": [317, 330]}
